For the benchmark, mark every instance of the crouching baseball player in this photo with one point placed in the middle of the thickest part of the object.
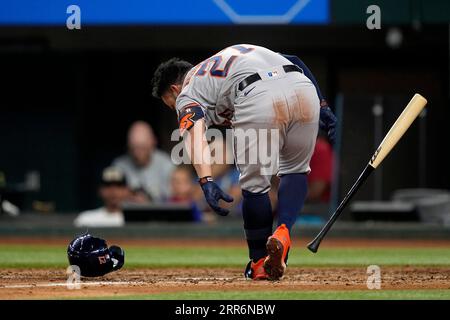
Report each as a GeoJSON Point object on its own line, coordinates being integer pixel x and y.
{"type": "Point", "coordinates": [251, 88]}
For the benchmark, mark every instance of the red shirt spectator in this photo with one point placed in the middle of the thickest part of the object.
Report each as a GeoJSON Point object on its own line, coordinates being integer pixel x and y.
{"type": "Point", "coordinates": [319, 179]}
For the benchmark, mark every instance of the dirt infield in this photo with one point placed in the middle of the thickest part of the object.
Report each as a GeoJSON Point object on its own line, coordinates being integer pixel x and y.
{"type": "Point", "coordinates": [51, 283]}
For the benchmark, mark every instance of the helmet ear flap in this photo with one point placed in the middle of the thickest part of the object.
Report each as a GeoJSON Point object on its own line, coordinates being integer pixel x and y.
{"type": "Point", "coordinates": [117, 257]}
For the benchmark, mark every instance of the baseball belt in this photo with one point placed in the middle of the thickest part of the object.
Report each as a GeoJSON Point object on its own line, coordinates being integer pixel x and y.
{"type": "Point", "coordinates": [256, 77]}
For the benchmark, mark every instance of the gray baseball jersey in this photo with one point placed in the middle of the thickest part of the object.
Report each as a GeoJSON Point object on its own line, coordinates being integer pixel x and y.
{"type": "Point", "coordinates": [285, 102]}
{"type": "Point", "coordinates": [213, 83]}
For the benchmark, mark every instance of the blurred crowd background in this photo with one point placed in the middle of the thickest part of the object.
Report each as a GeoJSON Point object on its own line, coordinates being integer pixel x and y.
{"type": "Point", "coordinates": [80, 132]}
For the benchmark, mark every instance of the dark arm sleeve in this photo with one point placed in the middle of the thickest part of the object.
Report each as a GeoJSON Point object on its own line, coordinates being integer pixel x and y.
{"type": "Point", "coordinates": [296, 60]}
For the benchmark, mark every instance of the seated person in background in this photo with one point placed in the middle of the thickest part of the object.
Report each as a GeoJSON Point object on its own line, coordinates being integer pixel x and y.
{"type": "Point", "coordinates": [225, 173]}
{"type": "Point", "coordinates": [113, 191]}
{"type": "Point", "coordinates": [146, 168]}
{"type": "Point", "coordinates": [6, 206]}
{"type": "Point", "coordinates": [182, 189]}
{"type": "Point", "coordinates": [320, 177]}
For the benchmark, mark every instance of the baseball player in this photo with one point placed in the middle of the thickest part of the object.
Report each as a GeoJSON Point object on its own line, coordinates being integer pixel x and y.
{"type": "Point", "coordinates": [251, 88]}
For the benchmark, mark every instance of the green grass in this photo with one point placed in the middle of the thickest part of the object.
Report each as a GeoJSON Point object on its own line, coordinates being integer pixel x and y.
{"type": "Point", "coordinates": [294, 295]}
{"type": "Point", "coordinates": [37, 256]}
{"type": "Point", "coordinates": [53, 256]}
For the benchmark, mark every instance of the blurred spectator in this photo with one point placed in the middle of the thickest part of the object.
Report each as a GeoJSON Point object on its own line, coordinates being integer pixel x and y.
{"type": "Point", "coordinates": [320, 178]}
{"type": "Point", "coordinates": [273, 193]}
{"type": "Point", "coordinates": [113, 192]}
{"type": "Point", "coordinates": [147, 169]}
{"type": "Point", "coordinates": [182, 187]}
{"type": "Point", "coordinates": [225, 173]}
{"type": "Point", "coordinates": [6, 206]}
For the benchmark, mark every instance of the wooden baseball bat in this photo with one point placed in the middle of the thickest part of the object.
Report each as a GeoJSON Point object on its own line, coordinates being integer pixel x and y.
{"type": "Point", "coordinates": [403, 122]}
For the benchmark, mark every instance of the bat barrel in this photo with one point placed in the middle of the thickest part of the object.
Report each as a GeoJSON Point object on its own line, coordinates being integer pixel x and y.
{"type": "Point", "coordinates": [403, 122]}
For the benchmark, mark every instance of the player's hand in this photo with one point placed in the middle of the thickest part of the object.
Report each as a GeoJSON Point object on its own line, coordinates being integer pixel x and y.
{"type": "Point", "coordinates": [213, 194]}
{"type": "Point", "coordinates": [327, 121]}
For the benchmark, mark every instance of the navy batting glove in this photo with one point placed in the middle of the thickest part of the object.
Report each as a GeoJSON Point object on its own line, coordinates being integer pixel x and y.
{"type": "Point", "coordinates": [327, 121]}
{"type": "Point", "coordinates": [213, 194]}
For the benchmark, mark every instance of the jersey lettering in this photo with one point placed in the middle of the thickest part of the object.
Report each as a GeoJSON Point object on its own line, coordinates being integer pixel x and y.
{"type": "Point", "coordinates": [242, 49]}
{"type": "Point", "coordinates": [215, 71]}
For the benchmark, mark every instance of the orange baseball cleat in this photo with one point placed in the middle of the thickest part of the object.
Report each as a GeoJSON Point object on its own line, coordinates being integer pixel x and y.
{"type": "Point", "coordinates": [277, 248]}
{"type": "Point", "coordinates": [255, 270]}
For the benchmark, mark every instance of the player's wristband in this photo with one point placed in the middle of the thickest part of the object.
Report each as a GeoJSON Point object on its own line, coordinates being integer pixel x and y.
{"type": "Point", "coordinates": [204, 180]}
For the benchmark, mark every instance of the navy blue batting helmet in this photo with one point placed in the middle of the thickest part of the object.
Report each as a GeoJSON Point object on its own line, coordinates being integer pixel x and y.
{"type": "Point", "coordinates": [93, 256]}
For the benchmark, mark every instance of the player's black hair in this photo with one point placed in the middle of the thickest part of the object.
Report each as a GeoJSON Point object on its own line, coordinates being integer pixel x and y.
{"type": "Point", "coordinates": [169, 72]}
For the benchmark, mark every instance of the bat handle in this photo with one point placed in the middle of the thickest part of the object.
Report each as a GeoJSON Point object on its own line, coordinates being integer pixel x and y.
{"type": "Point", "coordinates": [313, 246]}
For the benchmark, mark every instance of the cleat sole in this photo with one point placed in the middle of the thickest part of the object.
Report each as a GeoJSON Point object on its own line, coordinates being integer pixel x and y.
{"type": "Point", "coordinates": [274, 264]}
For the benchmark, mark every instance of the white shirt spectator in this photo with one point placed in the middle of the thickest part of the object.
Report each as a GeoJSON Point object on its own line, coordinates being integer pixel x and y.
{"type": "Point", "coordinates": [153, 178]}
{"type": "Point", "coordinates": [100, 218]}
{"type": "Point", "coordinates": [147, 169]}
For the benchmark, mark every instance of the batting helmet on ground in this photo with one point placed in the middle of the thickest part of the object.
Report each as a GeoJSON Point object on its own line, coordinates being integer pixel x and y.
{"type": "Point", "coordinates": [93, 256]}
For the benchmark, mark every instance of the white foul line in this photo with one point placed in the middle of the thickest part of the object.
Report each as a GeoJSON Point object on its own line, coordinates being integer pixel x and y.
{"type": "Point", "coordinates": [109, 283]}
{"type": "Point", "coordinates": [64, 284]}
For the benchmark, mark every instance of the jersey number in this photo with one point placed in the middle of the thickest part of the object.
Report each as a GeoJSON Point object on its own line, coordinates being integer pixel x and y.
{"type": "Point", "coordinates": [215, 71]}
